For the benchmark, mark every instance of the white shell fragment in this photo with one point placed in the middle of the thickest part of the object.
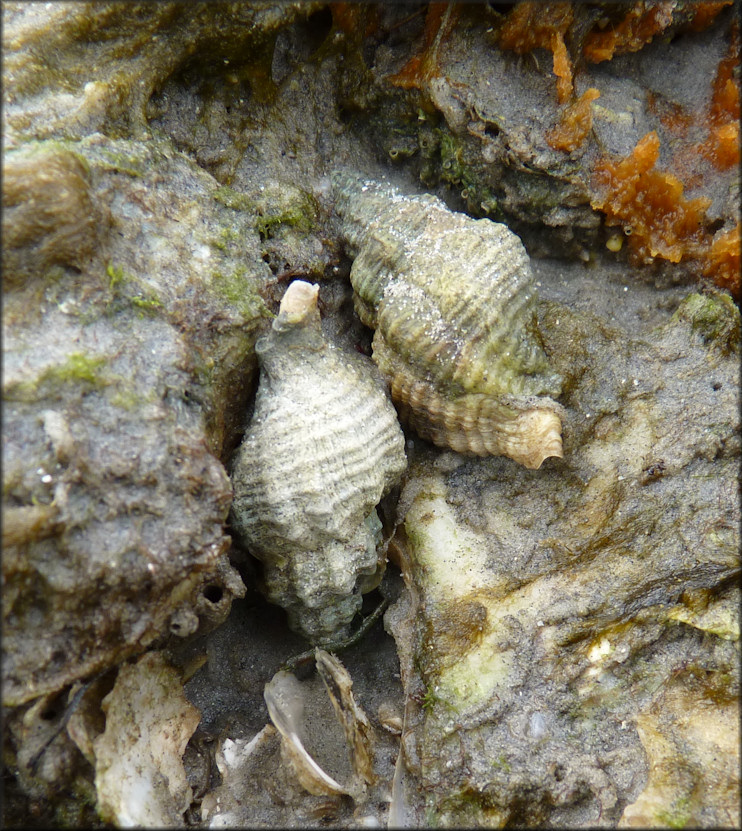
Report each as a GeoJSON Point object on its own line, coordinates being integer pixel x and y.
{"type": "Point", "coordinates": [355, 723]}
{"type": "Point", "coordinates": [323, 447]}
{"type": "Point", "coordinates": [451, 299]}
{"type": "Point", "coordinates": [283, 696]}
{"type": "Point", "coordinates": [139, 774]}
{"type": "Point", "coordinates": [286, 698]}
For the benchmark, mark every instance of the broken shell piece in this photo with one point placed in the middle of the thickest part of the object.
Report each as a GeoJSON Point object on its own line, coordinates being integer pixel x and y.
{"type": "Point", "coordinates": [391, 718]}
{"type": "Point", "coordinates": [356, 726]}
{"type": "Point", "coordinates": [140, 778]}
{"type": "Point", "coordinates": [286, 698]}
{"type": "Point", "coordinates": [452, 302]}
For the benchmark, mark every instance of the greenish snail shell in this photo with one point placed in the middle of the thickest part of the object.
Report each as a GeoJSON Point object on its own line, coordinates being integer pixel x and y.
{"type": "Point", "coordinates": [451, 300]}
{"type": "Point", "coordinates": [323, 447]}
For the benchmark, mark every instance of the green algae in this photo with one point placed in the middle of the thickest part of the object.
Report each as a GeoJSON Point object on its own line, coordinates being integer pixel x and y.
{"type": "Point", "coordinates": [714, 317]}
{"type": "Point", "coordinates": [127, 291]}
{"type": "Point", "coordinates": [456, 170]}
{"type": "Point", "coordinates": [236, 287]}
{"type": "Point", "coordinates": [83, 371]}
{"type": "Point", "coordinates": [279, 204]}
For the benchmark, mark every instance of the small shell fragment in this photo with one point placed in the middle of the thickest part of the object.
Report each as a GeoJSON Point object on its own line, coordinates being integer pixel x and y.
{"type": "Point", "coordinates": [283, 697]}
{"type": "Point", "coordinates": [355, 723]}
{"type": "Point", "coordinates": [323, 447]}
{"type": "Point", "coordinates": [451, 300]}
{"type": "Point", "coordinates": [287, 701]}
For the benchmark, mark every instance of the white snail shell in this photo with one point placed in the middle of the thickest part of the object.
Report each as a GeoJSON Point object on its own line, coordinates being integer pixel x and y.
{"type": "Point", "coordinates": [452, 302]}
{"type": "Point", "coordinates": [323, 447]}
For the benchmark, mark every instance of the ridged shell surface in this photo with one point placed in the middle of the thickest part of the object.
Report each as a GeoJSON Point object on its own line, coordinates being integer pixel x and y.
{"type": "Point", "coordinates": [452, 301]}
{"type": "Point", "coordinates": [323, 447]}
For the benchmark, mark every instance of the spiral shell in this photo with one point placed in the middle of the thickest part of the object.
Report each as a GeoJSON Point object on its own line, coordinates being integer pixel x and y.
{"type": "Point", "coordinates": [452, 302]}
{"type": "Point", "coordinates": [323, 447]}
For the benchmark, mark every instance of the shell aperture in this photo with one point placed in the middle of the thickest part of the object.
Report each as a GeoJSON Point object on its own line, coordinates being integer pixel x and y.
{"type": "Point", "coordinates": [323, 447]}
{"type": "Point", "coordinates": [451, 300]}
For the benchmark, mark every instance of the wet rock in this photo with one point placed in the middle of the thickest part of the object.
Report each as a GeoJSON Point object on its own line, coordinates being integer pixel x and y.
{"type": "Point", "coordinates": [690, 733]}
{"type": "Point", "coordinates": [113, 420]}
{"type": "Point", "coordinates": [133, 50]}
{"type": "Point", "coordinates": [479, 105]}
{"type": "Point", "coordinates": [547, 606]}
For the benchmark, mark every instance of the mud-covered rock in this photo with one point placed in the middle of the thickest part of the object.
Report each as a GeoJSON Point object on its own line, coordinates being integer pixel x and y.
{"type": "Point", "coordinates": [104, 61]}
{"type": "Point", "coordinates": [113, 495]}
{"type": "Point", "coordinates": [518, 114]}
{"type": "Point", "coordinates": [549, 614]}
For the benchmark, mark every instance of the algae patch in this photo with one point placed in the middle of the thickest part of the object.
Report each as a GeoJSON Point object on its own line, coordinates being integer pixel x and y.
{"type": "Point", "coordinates": [236, 287]}
{"type": "Point", "coordinates": [275, 205]}
{"type": "Point", "coordinates": [85, 371]}
{"type": "Point", "coordinates": [127, 291]}
{"type": "Point", "coordinates": [714, 317]}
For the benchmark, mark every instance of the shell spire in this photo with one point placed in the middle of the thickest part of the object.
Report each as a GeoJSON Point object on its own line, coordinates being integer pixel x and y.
{"type": "Point", "coordinates": [323, 447]}
{"type": "Point", "coordinates": [452, 303]}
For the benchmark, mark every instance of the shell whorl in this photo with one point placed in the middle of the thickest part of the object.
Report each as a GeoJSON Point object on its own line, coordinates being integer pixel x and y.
{"type": "Point", "coordinates": [323, 447]}
{"type": "Point", "coordinates": [452, 302]}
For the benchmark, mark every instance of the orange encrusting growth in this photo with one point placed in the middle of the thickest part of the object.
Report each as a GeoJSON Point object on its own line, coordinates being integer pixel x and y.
{"type": "Point", "coordinates": [705, 13]}
{"type": "Point", "coordinates": [532, 25]}
{"type": "Point", "coordinates": [419, 69]}
{"type": "Point", "coordinates": [575, 123]}
{"type": "Point", "coordinates": [662, 223]}
{"type": "Point", "coordinates": [650, 203]}
{"type": "Point", "coordinates": [723, 261]}
{"type": "Point", "coordinates": [637, 29]}
{"type": "Point", "coordinates": [641, 24]}
{"type": "Point", "coordinates": [722, 147]}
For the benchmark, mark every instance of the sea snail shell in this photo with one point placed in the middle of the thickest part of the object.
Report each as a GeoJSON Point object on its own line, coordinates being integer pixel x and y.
{"type": "Point", "coordinates": [324, 445]}
{"type": "Point", "coordinates": [451, 299]}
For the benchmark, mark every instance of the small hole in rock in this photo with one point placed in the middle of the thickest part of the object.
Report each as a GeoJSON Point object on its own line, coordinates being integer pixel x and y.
{"type": "Point", "coordinates": [213, 593]}
{"type": "Point", "coordinates": [58, 658]}
{"type": "Point", "coordinates": [318, 27]}
{"type": "Point", "coordinates": [716, 386]}
{"type": "Point", "coordinates": [716, 225]}
{"type": "Point", "coordinates": [49, 714]}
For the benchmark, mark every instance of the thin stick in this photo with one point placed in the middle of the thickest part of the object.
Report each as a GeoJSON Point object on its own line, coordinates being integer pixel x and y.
{"type": "Point", "coordinates": [338, 646]}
